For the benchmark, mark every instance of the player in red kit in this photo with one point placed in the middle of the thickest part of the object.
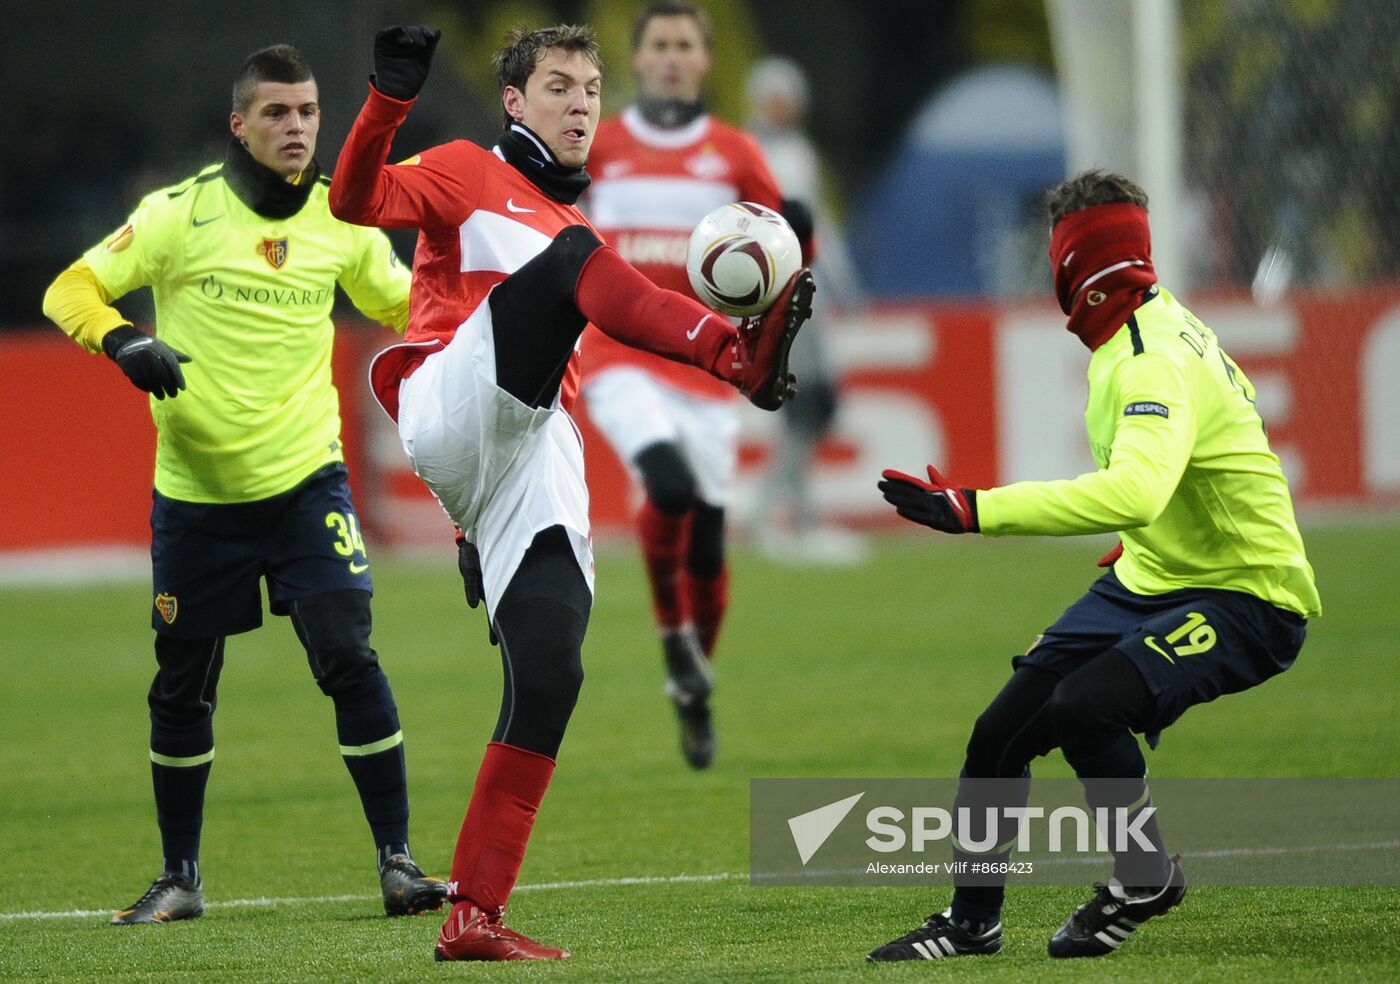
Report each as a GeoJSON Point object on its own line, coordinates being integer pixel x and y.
{"type": "Point", "coordinates": [506, 275]}
{"type": "Point", "coordinates": [658, 169]}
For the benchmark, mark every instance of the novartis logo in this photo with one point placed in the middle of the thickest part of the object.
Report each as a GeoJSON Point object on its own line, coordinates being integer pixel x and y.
{"type": "Point", "coordinates": [286, 297]}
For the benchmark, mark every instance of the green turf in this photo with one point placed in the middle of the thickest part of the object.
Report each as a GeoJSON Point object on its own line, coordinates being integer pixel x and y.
{"type": "Point", "coordinates": [873, 672]}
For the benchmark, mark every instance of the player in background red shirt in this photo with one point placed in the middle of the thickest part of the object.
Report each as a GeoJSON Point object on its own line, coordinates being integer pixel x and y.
{"type": "Point", "coordinates": [658, 169]}
{"type": "Point", "coordinates": [506, 275]}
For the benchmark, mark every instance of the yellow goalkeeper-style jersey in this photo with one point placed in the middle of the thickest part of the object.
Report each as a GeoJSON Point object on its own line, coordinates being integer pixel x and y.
{"type": "Point", "coordinates": [249, 299]}
{"type": "Point", "coordinates": [1185, 472]}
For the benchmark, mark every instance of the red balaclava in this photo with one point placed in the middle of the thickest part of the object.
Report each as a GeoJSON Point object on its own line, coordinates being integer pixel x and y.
{"type": "Point", "coordinates": [1101, 259]}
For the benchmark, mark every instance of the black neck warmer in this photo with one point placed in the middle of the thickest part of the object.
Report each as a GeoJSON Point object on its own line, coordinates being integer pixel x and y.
{"type": "Point", "coordinates": [527, 153]}
{"type": "Point", "coordinates": [263, 189]}
{"type": "Point", "coordinates": [669, 113]}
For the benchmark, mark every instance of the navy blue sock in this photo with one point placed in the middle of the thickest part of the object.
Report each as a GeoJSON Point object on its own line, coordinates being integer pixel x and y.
{"type": "Point", "coordinates": [371, 742]}
{"type": "Point", "coordinates": [1122, 801]}
{"type": "Point", "coordinates": [188, 870]}
{"type": "Point", "coordinates": [1113, 773]}
{"type": "Point", "coordinates": [981, 901]}
{"type": "Point", "coordinates": [387, 851]}
{"type": "Point", "coordinates": [1094, 711]}
{"type": "Point", "coordinates": [180, 763]}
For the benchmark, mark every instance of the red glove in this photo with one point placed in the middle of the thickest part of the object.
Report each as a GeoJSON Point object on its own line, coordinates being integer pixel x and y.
{"type": "Point", "coordinates": [934, 503]}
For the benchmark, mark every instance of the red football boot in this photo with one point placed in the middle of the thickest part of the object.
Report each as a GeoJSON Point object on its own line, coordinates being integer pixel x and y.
{"type": "Point", "coordinates": [470, 934]}
{"type": "Point", "coordinates": [764, 344]}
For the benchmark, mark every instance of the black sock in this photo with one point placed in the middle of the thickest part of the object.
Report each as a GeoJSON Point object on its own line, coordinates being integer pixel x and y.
{"type": "Point", "coordinates": [371, 742]}
{"type": "Point", "coordinates": [1133, 864]}
{"type": "Point", "coordinates": [978, 905]}
{"type": "Point", "coordinates": [387, 851]}
{"type": "Point", "coordinates": [188, 870]}
{"type": "Point", "coordinates": [977, 901]}
{"type": "Point", "coordinates": [1141, 870]}
{"type": "Point", "coordinates": [1093, 710]}
{"type": "Point", "coordinates": [180, 763]}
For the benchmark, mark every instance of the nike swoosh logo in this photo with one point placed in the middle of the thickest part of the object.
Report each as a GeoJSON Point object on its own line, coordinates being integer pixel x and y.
{"type": "Point", "coordinates": [198, 223]}
{"type": "Point", "coordinates": [1069, 257]}
{"type": "Point", "coordinates": [1151, 643]}
{"type": "Point", "coordinates": [358, 568]}
{"type": "Point", "coordinates": [512, 207]}
{"type": "Point", "coordinates": [696, 330]}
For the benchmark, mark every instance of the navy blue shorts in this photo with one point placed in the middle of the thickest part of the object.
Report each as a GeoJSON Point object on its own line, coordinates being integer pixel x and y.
{"type": "Point", "coordinates": [207, 559]}
{"type": "Point", "coordinates": [1191, 646]}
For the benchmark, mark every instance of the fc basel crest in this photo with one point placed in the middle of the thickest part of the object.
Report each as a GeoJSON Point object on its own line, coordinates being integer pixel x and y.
{"type": "Point", "coordinates": [274, 251]}
{"type": "Point", "coordinates": [167, 605]}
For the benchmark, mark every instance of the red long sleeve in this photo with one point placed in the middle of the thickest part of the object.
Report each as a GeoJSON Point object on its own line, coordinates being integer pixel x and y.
{"type": "Point", "coordinates": [360, 189]}
{"type": "Point", "coordinates": [627, 306]}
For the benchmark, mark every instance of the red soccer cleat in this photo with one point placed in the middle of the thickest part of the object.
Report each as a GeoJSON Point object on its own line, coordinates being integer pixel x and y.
{"type": "Point", "coordinates": [470, 934]}
{"type": "Point", "coordinates": [764, 344]}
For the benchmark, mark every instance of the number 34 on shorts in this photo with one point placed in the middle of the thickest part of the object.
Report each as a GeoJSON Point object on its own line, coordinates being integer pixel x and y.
{"type": "Point", "coordinates": [348, 541]}
{"type": "Point", "coordinates": [1195, 635]}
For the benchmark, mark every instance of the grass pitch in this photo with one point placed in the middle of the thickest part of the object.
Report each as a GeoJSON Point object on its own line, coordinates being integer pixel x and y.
{"type": "Point", "coordinates": [637, 864]}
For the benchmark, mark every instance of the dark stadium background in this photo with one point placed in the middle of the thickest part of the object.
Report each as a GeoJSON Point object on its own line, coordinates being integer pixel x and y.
{"type": "Point", "coordinates": [109, 101]}
{"type": "Point", "coordinates": [939, 124]}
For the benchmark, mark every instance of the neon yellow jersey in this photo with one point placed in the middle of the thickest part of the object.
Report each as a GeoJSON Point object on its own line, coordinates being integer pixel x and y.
{"type": "Point", "coordinates": [249, 299]}
{"type": "Point", "coordinates": [1185, 473]}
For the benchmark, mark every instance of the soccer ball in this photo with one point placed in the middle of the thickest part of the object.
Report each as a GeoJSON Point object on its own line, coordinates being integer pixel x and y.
{"type": "Point", "coordinates": [740, 257]}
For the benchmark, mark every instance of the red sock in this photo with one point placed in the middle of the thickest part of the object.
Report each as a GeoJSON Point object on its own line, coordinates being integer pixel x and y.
{"type": "Point", "coordinates": [709, 598]}
{"type": "Point", "coordinates": [664, 541]}
{"type": "Point", "coordinates": [509, 786]}
{"type": "Point", "coordinates": [627, 306]}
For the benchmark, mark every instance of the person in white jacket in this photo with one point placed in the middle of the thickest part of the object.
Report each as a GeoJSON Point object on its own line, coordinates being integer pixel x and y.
{"type": "Point", "coordinates": [790, 527]}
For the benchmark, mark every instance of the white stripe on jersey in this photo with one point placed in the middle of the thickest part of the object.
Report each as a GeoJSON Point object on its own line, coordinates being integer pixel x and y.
{"type": "Point", "coordinates": [656, 202]}
{"type": "Point", "coordinates": [494, 242]}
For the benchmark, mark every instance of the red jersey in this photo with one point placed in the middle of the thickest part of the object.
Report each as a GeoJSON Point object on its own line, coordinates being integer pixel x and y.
{"type": "Point", "coordinates": [479, 220]}
{"type": "Point", "coordinates": [651, 187]}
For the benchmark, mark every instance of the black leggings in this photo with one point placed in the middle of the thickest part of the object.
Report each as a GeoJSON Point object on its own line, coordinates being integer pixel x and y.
{"type": "Point", "coordinates": [541, 621]}
{"type": "Point", "coordinates": [1089, 715]}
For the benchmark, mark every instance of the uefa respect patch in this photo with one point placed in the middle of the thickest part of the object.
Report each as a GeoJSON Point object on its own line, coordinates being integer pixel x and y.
{"type": "Point", "coordinates": [1145, 409]}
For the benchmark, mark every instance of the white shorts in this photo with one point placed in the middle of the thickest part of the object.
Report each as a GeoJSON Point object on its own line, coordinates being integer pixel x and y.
{"type": "Point", "coordinates": [503, 471]}
{"type": "Point", "coordinates": [634, 410]}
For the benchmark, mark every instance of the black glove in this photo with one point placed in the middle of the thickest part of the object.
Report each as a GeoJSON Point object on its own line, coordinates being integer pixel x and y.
{"type": "Point", "coordinates": [148, 362]}
{"type": "Point", "coordinates": [934, 503]}
{"type": "Point", "coordinates": [799, 216]}
{"type": "Point", "coordinates": [816, 405]}
{"type": "Point", "coordinates": [401, 58]}
{"type": "Point", "coordinates": [469, 563]}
